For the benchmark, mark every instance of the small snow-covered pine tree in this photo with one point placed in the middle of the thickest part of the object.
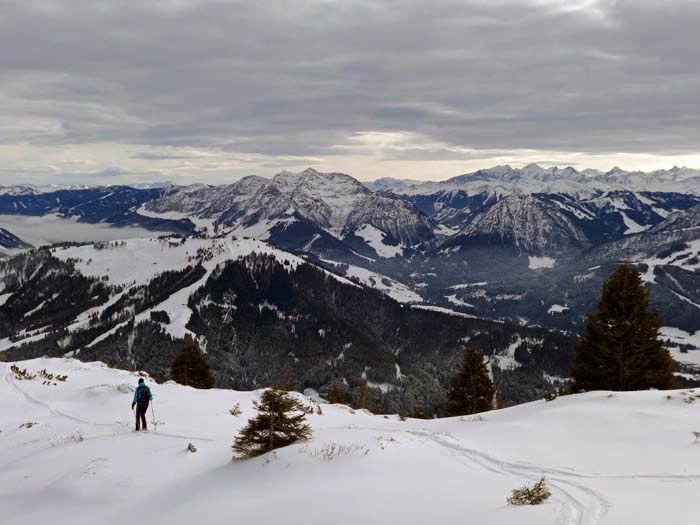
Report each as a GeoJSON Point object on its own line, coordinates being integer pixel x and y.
{"type": "Point", "coordinates": [281, 421]}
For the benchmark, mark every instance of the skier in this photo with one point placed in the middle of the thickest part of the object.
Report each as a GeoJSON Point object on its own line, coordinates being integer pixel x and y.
{"type": "Point", "coordinates": [142, 396]}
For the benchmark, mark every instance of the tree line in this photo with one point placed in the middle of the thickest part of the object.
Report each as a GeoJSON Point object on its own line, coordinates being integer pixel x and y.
{"type": "Point", "coordinates": [620, 350]}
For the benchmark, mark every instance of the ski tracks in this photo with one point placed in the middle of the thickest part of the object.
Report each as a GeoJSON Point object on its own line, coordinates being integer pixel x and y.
{"type": "Point", "coordinates": [581, 505]}
{"type": "Point", "coordinates": [15, 387]}
{"type": "Point", "coordinates": [118, 427]}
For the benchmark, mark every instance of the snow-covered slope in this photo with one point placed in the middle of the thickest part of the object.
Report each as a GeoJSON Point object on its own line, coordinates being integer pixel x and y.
{"type": "Point", "coordinates": [136, 262]}
{"type": "Point", "coordinates": [69, 455]}
{"type": "Point", "coordinates": [665, 242]}
{"type": "Point", "coordinates": [10, 241]}
{"type": "Point", "coordinates": [683, 220]}
{"type": "Point", "coordinates": [397, 291]}
{"type": "Point", "coordinates": [10, 244]}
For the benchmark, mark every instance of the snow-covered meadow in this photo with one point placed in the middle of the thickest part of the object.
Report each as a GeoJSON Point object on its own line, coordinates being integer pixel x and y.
{"type": "Point", "coordinates": [68, 454]}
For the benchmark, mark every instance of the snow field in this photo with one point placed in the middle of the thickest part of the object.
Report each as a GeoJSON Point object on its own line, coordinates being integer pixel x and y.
{"type": "Point", "coordinates": [616, 458]}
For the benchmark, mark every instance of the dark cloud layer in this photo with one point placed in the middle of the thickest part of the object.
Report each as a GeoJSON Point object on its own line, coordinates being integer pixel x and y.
{"type": "Point", "coordinates": [298, 78]}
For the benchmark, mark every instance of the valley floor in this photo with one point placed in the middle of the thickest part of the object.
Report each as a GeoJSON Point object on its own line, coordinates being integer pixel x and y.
{"type": "Point", "coordinates": [68, 454]}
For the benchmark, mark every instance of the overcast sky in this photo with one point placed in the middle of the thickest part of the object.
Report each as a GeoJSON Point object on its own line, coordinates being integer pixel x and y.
{"type": "Point", "coordinates": [111, 91]}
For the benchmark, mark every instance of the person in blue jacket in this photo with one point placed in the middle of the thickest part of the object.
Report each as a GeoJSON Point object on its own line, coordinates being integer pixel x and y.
{"type": "Point", "coordinates": [142, 396]}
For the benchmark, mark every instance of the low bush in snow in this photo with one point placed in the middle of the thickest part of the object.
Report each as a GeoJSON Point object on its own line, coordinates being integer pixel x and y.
{"type": "Point", "coordinates": [75, 437]}
{"type": "Point", "coordinates": [530, 495]}
{"type": "Point", "coordinates": [550, 396]}
{"type": "Point", "coordinates": [332, 450]}
{"type": "Point", "coordinates": [21, 373]}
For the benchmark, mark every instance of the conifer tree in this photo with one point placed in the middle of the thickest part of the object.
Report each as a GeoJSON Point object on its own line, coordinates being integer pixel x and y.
{"type": "Point", "coordinates": [362, 400]}
{"type": "Point", "coordinates": [471, 390]}
{"type": "Point", "coordinates": [281, 421]}
{"type": "Point", "coordinates": [190, 368]}
{"type": "Point", "coordinates": [621, 349]}
{"type": "Point", "coordinates": [337, 393]}
{"type": "Point", "coordinates": [419, 413]}
{"type": "Point", "coordinates": [285, 381]}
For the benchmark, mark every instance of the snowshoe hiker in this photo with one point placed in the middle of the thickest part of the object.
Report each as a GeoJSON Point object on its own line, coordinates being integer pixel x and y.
{"type": "Point", "coordinates": [142, 396]}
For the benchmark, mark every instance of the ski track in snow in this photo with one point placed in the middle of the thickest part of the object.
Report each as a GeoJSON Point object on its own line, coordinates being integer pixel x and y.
{"type": "Point", "coordinates": [58, 413]}
{"type": "Point", "coordinates": [580, 504]}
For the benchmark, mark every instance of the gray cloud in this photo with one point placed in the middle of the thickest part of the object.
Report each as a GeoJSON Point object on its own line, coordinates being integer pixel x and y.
{"type": "Point", "coordinates": [298, 78]}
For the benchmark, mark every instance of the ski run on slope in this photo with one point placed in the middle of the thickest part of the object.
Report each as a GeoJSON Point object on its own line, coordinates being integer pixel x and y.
{"type": "Point", "coordinates": [70, 455]}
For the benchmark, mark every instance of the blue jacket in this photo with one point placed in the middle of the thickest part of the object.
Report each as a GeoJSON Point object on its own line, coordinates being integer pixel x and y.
{"type": "Point", "coordinates": [136, 393]}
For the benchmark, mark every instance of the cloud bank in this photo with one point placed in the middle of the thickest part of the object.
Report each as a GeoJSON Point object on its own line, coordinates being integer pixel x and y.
{"type": "Point", "coordinates": [191, 90]}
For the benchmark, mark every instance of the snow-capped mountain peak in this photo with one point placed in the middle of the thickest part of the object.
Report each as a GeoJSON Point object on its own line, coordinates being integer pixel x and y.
{"type": "Point", "coordinates": [306, 207]}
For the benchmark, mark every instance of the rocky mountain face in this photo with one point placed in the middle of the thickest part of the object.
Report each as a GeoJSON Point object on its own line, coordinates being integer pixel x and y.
{"type": "Point", "coordinates": [687, 220]}
{"type": "Point", "coordinates": [330, 211]}
{"type": "Point", "coordinates": [531, 223]}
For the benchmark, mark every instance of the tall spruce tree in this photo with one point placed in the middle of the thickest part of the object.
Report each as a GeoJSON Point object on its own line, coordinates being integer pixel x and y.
{"type": "Point", "coordinates": [189, 366]}
{"type": "Point", "coordinates": [286, 380]}
{"type": "Point", "coordinates": [471, 390]}
{"type": "Point", "coordinates": [337, 393]}
{"type": "Point", "coordinates": [281, 421]}
{"type": "Point", "coordinates": [621, 349]}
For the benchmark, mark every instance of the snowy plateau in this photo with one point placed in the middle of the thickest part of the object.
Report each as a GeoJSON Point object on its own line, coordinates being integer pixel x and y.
{"type": "Point", "coordinates": [69, 455]}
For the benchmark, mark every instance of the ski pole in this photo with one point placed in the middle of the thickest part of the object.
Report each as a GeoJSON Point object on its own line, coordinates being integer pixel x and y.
{"type": "Point", "coordinates": [153, 416]}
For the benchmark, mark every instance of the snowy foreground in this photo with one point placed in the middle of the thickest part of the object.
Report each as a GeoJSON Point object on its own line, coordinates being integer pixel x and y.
{"type": "Point", "coordinates": [68, 454]}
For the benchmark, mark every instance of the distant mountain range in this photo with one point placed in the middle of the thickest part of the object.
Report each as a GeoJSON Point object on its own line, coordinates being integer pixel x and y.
{"type": "Point", "coordinates": [31, 189]}
{"type": "Point", "coordinates": [528, 246]}
{"type": "Point", "coordinates": [389, 183]}
{"type": "Point", "coordinates": [532, 178]}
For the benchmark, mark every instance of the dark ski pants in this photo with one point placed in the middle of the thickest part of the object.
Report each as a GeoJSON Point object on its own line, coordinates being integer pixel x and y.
{"type": "Point", "coordinates": [141, 409]}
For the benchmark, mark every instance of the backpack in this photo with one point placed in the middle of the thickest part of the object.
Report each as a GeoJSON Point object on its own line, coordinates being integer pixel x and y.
{"type": "Point", "coordinates": [144, 394]}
